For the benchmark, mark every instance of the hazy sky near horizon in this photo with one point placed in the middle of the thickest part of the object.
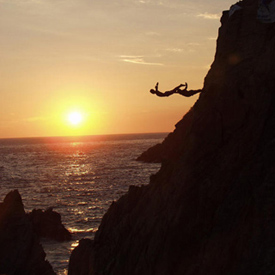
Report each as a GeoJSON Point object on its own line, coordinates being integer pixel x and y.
{"type": "Point", "coordinates": [100, 58]}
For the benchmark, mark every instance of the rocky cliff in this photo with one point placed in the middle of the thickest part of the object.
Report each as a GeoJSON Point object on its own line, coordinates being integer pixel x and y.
{"type": "Point", "coordinates": [210, 209]}
{"type": "Point", "coordinates": [20, 250]}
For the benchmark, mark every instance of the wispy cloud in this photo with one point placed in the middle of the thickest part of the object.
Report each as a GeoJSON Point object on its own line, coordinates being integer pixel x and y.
{"type": "Point", "coordinates": [211, 16]}
{"type": "Point", "coordinates": [151, 2]}
{"type": "Point", "coordinates": [187, 47]}
{"type": "Point", "coordinates": [152, 34]}
{"type": "Point", "coordinates": [137, 60]}
{"type": "Point", "coordinates": [174, 50]}
{"type": "Point", "coordinates": [192, 44]}
{"type": "Point", "coordinates": [21, 1]}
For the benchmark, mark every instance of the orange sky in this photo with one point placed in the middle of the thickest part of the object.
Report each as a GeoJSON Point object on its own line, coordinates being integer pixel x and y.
{"type": "Point", "coordinates": [100, 58]}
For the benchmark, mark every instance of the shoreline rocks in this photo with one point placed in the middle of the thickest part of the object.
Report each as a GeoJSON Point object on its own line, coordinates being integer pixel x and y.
{"type": "Point", "coordinates": [47, 224]}
{"type": "Point", "coordinates": [20, 250]}
{"type": "Point", "coordinates": [81, 258]}
{"type": "Point", "coordinates": [169, 149]}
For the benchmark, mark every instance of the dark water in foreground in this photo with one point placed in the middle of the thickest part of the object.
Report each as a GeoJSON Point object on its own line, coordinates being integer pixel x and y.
{"type": "Point", "coordinates": [79, 177]}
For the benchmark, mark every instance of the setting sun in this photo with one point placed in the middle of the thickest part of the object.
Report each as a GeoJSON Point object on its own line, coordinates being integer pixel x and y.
{"type": "Point", "coordinates": [75, 118]}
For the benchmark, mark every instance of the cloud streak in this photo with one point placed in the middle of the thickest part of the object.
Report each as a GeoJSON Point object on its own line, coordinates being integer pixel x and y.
{"type": "Point", "coordinates": [211, 16]}
{"type": "Point", "coordinates": [20, 2]}
{"type": "Point", "coordinates": [174, 50]}
{"type": "Point", "coordinates": [137, 60]}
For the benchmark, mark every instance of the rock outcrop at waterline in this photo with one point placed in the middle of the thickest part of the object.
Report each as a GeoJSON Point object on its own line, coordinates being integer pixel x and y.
{"type": "Point", "coordinates": [20, 250]}
{"type": "Point", "coordinates": [211, 207]}
{"type": "Point", "coordinates": [47, 224]}
{"type": "Point", "coordinates": [169, 148]}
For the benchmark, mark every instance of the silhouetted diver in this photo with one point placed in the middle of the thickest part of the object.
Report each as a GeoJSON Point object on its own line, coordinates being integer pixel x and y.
{"type": "Point", "coordinates": [176, 90]}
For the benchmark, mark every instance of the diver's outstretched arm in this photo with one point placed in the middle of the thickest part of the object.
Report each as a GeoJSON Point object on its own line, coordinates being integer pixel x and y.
{"type": "Point", "coordinates": [187, 93]}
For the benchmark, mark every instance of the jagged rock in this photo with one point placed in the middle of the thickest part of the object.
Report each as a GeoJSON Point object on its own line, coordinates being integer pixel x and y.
{"type": "Point", "coordinates": [80, 258]}
{"type": "Point", "coordinates": [211, 207]}
{"type": "Point", "coordinates": [153, 154]}
{"type": "Point", "coordinates": [169, 148]}
{"type": "Point", "coordinates": [20, 251]}
{"type": "Point", "coordinates": [47, 224]}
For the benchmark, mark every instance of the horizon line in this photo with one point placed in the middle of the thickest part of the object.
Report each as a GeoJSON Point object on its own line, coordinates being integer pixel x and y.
{"type": "Point", "coordinates": [79, 136]}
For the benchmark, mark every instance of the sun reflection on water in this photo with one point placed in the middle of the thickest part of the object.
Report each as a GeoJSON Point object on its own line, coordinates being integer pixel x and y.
{"type": "Point", "coordinates": [74, 245]}
{"type": "Point", "coordinates": [78, 179]}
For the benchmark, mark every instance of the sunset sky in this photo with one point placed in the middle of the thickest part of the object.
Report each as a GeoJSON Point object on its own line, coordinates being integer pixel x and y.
{"type": "Point", "coordinates": [99, 59]}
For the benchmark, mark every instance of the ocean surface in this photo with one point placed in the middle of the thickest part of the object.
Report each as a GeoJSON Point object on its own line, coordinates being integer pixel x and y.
{"type": "Point", "coordinates": [78, 176]}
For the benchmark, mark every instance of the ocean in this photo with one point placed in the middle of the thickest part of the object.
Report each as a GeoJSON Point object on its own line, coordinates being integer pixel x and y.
{"type": "Point", "coordinates": [78, 176]}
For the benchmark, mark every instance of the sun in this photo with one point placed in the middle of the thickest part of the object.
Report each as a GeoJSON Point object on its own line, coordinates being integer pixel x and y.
{"type": "Point", "coordinates": [75, 118]}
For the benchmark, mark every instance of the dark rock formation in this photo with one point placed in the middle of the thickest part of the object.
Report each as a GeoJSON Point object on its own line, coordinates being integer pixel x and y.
{"type": "Point", "coordinates": [20, 251]}
{"type": "Point", "coordinates": [81, 258]}
{"type": "Point", "coordinates": [153, 154]}
{"type": "Point", "coordinates": [211, 207]}
{"type": "Point", "coordinates": [169, 148]}
{"type": "Point", "coordinates": [47, 224]}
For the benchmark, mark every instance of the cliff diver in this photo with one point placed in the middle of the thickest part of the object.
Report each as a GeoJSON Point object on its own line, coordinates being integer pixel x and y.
{"type": "Point", "coordinates": [176, 90]}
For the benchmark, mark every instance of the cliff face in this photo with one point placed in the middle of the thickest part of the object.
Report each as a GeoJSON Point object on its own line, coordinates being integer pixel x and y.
{"type": "Point", "coordinates": [210, 209]}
